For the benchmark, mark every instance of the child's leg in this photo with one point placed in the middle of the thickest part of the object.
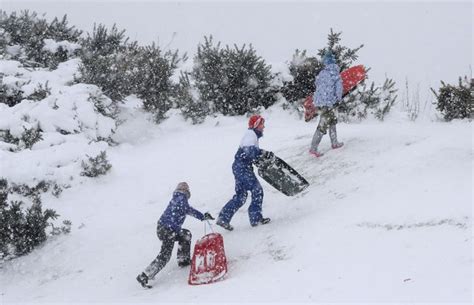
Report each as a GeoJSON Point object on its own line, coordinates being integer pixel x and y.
{"type": "Point", "coordinates": [234, 204]}
{"type": "Point", "coordinates": [184, 247]}
{"type": "Point", "coordinates": [167, 238]}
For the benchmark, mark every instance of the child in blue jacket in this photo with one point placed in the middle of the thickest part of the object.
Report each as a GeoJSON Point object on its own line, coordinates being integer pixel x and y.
{"type": "Point", "coordinates": [245, 179]}
{"type": "Point", "coordinates": [328, 93]}
{"type": "Point", "coordinates": [169, 231]}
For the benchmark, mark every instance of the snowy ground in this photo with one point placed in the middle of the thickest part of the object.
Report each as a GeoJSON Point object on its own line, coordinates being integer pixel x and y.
{"type": "Point", "coordinates": [387, 218]}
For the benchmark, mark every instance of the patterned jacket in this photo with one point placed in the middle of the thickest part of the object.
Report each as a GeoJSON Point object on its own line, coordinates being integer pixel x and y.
{"type": "Point", "coordinates": [328, 86]}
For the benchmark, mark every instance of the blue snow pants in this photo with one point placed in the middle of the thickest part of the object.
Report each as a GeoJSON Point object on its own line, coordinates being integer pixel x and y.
{"type": "Point", "coordinates": [245, 181]}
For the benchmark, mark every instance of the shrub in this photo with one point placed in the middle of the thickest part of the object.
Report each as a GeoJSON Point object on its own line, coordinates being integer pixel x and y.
{"type": "Point", "coordinates": [369, 100]}
{"type": "Point", "coordinates": [303, 70]}
{"type": "Point", "coordinates": [152, 73]}
{"type": "Point", "coordinates": [10, 95]}
{"type": "Point", "coordinates": [191, 106]}
{"type": "Point", "coordinates": [233, 80]}
{"type": "Point", "coordinates": [121, 68]}
{"type": "Point", "coordinates": [29, 137]}
{"type": "Point", "coordinates": [28, 33]}
{"type": "Point", "coordinates": [102, 61]}
{"type": "Point", "coordinates": [40, 92]}
{"type": "Point", "coordinates": [96, 166]}
{"type": "Point", "coordinates": [22, 230]}
{"type": "Point", "coordinates": [455, 102]}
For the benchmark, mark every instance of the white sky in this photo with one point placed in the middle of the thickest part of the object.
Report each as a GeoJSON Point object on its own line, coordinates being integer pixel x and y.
{"type": "Point", "coordinates": [424, 41]}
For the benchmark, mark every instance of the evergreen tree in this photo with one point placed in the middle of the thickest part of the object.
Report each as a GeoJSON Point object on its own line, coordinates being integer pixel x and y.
{"type": "Point", "coordinates": [28, 31]}
{"type": "Point", "coordinates": [152, 79]}
{"type": "Point", "coordinates": [235, 80]}
{"type": "Point", "coordinates": [15, 221]}
{"type": "Point", "coordinates": [207, 71]}
{"type": "Point", "coordinates": [4, 232]}
{"type": "Point", "coordinates": [191, 106]}
{"type": "Point", "coordinates": [24, 231]}
{"type": "Point", "coordinates": [34, 47]}
{"type": "Point", "coordinates": [4, 41]}
{"type": "Point", "coordinates": [345, 56]}
{"type": "Point", "coordinates": [7, 137]}
{"type": "Point", "coordinates": [30, 136]}
{"type": "Point", "coordinates": [10, 95]}
{"type": "Point", "coordinates": [121, 68]}
{"type": "Point", "coordinates": [387, 99]}
{"type": "Point", "coordinates": [102, 61]}
{"type": "Point", "coordinates": [249, 81]}
{"type": "Point", "coordinates": [96, 166]}
{"type": "Point", "coordinates": [60, 30]}
{"type": "Point", "coordinates": [303, 70]}
{"type": "Point", "coordinates": [36, 222]}
{"type": "Point", "coordinates": [455, 102]}
{"type": "Point", "coordinates": [369, 100]}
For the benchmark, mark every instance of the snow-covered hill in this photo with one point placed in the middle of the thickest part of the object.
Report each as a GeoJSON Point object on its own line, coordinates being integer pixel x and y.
{"type": "Point", "coordinates": [387, 218]}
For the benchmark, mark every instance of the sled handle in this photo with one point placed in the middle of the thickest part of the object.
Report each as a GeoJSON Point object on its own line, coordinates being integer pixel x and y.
{"type": "Point", "coordinates": [210, 226]}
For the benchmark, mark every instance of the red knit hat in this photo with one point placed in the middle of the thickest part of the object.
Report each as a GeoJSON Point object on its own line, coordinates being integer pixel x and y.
{"type": "Point", "coordinates": [255, 120]}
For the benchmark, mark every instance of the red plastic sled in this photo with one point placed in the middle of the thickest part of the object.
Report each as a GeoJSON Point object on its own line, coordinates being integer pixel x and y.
{"type": "Point", "coordinates": [209, 263]}
{"type": "Point", "coordinates": [350, 79]}
{"type": "Point", "coordinates": [310, 110]}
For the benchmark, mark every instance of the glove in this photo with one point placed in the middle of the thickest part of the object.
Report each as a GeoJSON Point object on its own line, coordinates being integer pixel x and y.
{"type": "Point", "coordinates": [208, 216]}
{"type": "Point", "coordinates": [268, 154]}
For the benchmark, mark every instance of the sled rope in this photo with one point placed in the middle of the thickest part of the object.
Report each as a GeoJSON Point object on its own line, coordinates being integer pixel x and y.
{"type": "Point", "coordinates": [210, 227]}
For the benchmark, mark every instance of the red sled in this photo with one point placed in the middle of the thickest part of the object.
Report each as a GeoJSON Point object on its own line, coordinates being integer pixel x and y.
{"type": "Point", "coordinates": [310, 110]}
{"type": "Point", "coordinates": [209, 263]}
{"type": "Point", "coordinates": [350, 79]}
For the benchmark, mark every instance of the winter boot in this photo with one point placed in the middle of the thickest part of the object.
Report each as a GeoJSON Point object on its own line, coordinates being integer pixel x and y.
{"type": "Point", "coordinates": [333, 136]}
{"type": "Point", "coordinates": [184, 262]}
{"type": "Point", "coordinates": [225, 225]}
{"type": "Point", "coordinates": [316, 153]}
{"type": "Point", "coordinates": [318, 135]}
{"type": "Point", "coordinates": [142, 278]}
{"type": "Point", "coordinates": [262, 221]}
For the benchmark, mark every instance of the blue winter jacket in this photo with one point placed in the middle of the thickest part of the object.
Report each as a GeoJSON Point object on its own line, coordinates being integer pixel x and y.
{"type": "Point", "coordinates": [175, 213]}
{"type": "Point", "coordinates": [247, 154]}
{"type": "Point", "coordinates": [328, 86]}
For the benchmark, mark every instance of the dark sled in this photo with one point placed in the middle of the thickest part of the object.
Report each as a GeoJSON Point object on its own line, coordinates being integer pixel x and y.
{"type": "Point", "coordinates": [281, 176]}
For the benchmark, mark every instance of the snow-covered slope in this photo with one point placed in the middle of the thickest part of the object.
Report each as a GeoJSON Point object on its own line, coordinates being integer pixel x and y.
{"type": "Point", "coordinates": [387, 218]}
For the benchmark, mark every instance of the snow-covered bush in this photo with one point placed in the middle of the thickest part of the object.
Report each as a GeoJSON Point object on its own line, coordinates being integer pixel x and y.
{"type": "Point", "coordinates": [29, 137]}
{"type": "Point", "coordinates": [46, 135]}
{"type": "Point", "coordinates": [78, 109]}
{"type": "Point", "coordinates": [303, 70]}
{"type": "Point", "coordinates": [104, 62]}
{"type": "Point", "coordinates": [152, 70]}
{"type": "Point", "coordinates": [455, 102]}
{"type": "Point", "coordinates": [233, 80]}
{"type": "Point", "coordinates": [40, 92]}
{"type": "Point", "coordinates": [96, 166]}
{"type": "Point", "coordinates": [369, 101]}
{"type": "Point", "coordinates": [188, 101]}
{"type": "Point", "coordinates": [35, 42]}
{"type": "Point", "coordinates": [24, 228]}
{"type": "Point", "coordinates": [10, 94]}
{"type": "Point", "coordinates": [121, 68]}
